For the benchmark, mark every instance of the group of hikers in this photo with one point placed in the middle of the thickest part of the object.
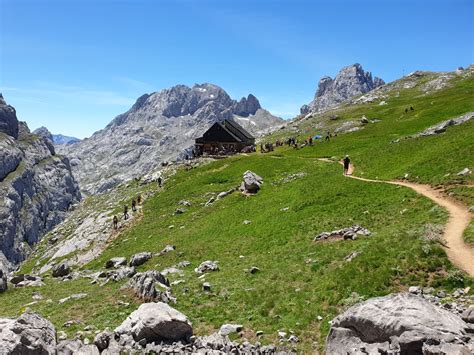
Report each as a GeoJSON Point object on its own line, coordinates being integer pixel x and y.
{"type": "Point", "coordinates": [293, 142]}
{"type": "Point", "coordinates": [135, 202]}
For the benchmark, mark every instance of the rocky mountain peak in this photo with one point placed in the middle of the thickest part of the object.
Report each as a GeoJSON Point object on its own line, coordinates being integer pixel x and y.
{"type": "Point", "coordinates": [351, 81]}
{"type": "Point", "coordinates": [43, 132]}
{"type": "Point", "coordinates": [8, 120]}
{"type": "Point", "coordinates": [246, 106]}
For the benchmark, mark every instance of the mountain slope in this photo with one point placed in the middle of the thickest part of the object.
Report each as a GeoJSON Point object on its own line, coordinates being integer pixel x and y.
{"type": "Point", "coordinates": [301, 283]}
{"type": "Point", "coordinates": [36, 187]}
{"type": "Point", "coordinates": [349, 82]}
{"type": "Point", "coordinates": [159, 127]}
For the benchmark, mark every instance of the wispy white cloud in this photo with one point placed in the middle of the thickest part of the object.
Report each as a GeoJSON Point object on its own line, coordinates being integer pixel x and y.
{"type": "Point", "coordinates": [52, 92]}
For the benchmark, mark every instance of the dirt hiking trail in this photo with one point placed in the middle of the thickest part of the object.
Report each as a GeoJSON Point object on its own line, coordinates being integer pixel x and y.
{"type": "Point", "coordinates": [460, 254]}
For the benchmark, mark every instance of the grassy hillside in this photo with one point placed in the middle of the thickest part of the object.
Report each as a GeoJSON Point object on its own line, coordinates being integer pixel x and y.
{"type": "Point", "coordinates": [299, 279]}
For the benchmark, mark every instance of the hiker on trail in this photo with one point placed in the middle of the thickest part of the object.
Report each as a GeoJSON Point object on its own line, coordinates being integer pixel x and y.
{"type": "Point", "coordinates": [406, 110]}
{"type": "Point", "coordinates": [347, 162]}
{"type": "Point", "coordinates": [411, 108]}
{"type": "Point", "coordinates": [310, 140]}
{"type": "Point", "coordinates": [134, 205]}
{"type": "Point", "coordinates": [328, 136]}
{"type": "Point", "coordinates": [125, 212]}
{"type": "Point", "coordinates": [159, 181]}
{"type": "Point", "coordinates": [115, 222]}
{"type": "Point", "coordinates": [139, 199]}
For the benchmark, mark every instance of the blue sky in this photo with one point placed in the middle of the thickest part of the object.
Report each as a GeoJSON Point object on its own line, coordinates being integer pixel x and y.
{"type": "Point", "coordinates": [74, 65]}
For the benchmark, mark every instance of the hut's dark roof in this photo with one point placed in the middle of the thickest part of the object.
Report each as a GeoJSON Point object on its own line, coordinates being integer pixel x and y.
{"type": "Point", "coordinates": [232, 128]}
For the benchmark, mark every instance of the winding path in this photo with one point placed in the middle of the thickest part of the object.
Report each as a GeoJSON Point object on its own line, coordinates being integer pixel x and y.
{"type": "Point", "coordinates": [460, 254]}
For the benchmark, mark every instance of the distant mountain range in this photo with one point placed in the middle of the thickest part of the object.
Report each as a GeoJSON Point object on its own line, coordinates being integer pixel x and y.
{"type": "Point", "coordinates": [60, 139]}
{"type": "Point", "coordinates": [57, 139]}
{"type": "Point", "coordinates": [158, 127]}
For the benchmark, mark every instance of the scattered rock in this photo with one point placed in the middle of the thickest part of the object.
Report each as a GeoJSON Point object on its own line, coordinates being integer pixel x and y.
{"type": "Point", "coordinates": [61, 269]}
{"type": "Point", "coordinates": [180, 211]}
{"type": "Point", "coordinates": [206, 286]}
{"type": "Point", "coordinates": [464, 172]}
{"type": "Point", "coordinates": [207, 266]}
{"type": "Point", "coordinates": [183, 263]}
{"type": "Point", "coordinates": [116, 262]}
{"type": "Point", "coordinates": [140, 258]}
{"type": "Point", "coordinates": [254, 270]}
{"type": "Point", "coordinates": [75, 296]}
{"type": "Point", "coordinates": [404, 323]}
{"type": "Point", "coordinates": [171, 270]}
{"type": "Point", "coordinates": [247, 222]}
{"type": "Point", "coordinates": [185, 203]}
{"type": "Point", "coordinates": [227, 329]}
{"type": "Point", "coordinates": [120, 273]}
{"type": "Point", "coordinates": [225, 193]}
{"type": "Point", "coordinates": [167, 249]}
{"type": "Point", "coordinates": [28, 334]}
{"type": "Point", "coordinates": [345, 233]}
{"type": "Point", "coordinates": [351, 256]}
{"type": "Point", "coordinates": [156, 322]}
{"type": "Point", "coordinates": [252, 183]}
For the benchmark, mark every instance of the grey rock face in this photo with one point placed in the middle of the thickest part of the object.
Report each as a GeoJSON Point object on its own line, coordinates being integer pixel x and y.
{"type": "Point", "coordinates": [404, 323]}
{"type": "Point", "coordinates": [36, 188]}
{"type": "Point", "coordinates": [151, 286]}
{"type": "Point", "coordinates": [349, 82]}
{"type": "Point", "coordinates": [28, 334]}
{"type": "Point", "coordinates": [159, 127]}
{"type": "Point", "coordinates": [8, 120]}
{"type": "Point", "coordinates": [156, 322]}
{"type": "Point", "coordinates": [246, 106]}
{"type": "Point", "coordinates": [3, 278]}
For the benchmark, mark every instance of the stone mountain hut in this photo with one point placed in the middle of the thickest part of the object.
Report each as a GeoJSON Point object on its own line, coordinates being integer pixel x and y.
{"type": "Point", "coordinates": [226, 137]}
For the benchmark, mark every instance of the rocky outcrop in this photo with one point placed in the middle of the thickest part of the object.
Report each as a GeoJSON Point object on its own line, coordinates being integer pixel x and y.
{"type": "Point", "coordinates": [28, 334]}
{"type": "Point", "coordinates": [36, 187]}
{"type": "Point", "coordinates": [151, 286]}
{"type": "Point", "coordinates": [441, 127]}
{"type": "Point", "coordinates": [8, 120]}
{"type": "Point", "coordinates": [351, 81]}
{"type": "Point", "coordinates": [399, 324]}
{"type": "Point", "coordinates": [3, 278]}
{"type": "Point", "coordinates": [159, 127]}
{"type": "Point", "coordinates": [246, 106]}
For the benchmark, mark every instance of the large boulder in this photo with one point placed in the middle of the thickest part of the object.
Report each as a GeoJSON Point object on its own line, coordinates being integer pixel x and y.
{"type": "Point", "coordinates": [252, 182]}
{"type": "Point", "coordinates": [28, 334]}
{"type": "Point", "coordinates": [404, 323]}
{"type": "Point", "coordinates": [156, 322]}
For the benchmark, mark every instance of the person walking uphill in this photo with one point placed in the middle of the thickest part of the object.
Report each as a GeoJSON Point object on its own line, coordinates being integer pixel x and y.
{"type": "Point", "coordinates": [347, 163]}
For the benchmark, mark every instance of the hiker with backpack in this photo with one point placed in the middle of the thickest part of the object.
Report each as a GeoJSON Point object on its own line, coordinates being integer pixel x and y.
{"type": "Point", "coordinates": [347, 163]}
